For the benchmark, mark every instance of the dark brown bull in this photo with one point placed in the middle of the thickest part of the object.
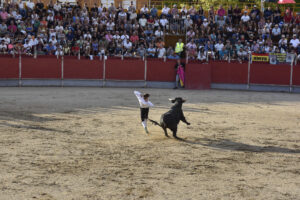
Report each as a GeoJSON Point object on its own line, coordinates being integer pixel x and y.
{"type": "Point", "coordinates": [172, 118]}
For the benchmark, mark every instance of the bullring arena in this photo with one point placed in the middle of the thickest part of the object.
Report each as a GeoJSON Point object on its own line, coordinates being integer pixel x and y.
{"type": "Point", "coordinates": [88, 143]}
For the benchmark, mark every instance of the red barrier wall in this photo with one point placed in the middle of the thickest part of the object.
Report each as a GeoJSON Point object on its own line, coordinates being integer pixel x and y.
{"type": "Point", "coordinates": [158, 70]}
{"type": "Point", "coordinates": [127, 69]}
{"type": "Point", "coordinates": [270, 74]}
{"type": "Point", "coordinates": [224, 72]}
{"type": "Point", "coordinates": [9, 67]}
{"type": "Point", "coordinates": [82, 69]}
{"type": "Point", "coordinates": [296, 75]}
{"type": "Point", "coordinates": [198, 76]}
{"type": "Point", "coordinates": [42, 67]}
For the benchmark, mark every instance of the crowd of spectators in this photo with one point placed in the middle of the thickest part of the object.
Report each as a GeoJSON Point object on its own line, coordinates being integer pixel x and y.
{"type": "Point", "coordinates": [57, 29]}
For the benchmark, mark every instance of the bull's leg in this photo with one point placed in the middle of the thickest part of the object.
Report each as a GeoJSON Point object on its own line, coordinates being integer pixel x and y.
{"type": "Point", "coordinates": [174, 130]}
{"type": "Point", "coordinates": [163, 125]}
{"type": "Point", "coordinates": [165, 130]}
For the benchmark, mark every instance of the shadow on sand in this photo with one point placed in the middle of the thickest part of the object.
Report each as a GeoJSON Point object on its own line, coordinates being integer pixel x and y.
{"type": "Point", "coordinates": [226, 144]}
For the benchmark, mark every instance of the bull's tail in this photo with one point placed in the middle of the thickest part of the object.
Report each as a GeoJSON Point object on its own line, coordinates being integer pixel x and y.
{"type": "Point", "coordinates": [154, 122]}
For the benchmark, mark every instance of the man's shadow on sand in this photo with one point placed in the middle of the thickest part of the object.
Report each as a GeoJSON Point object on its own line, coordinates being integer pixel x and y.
{"type": "Point", "coordinates": [226, 144]}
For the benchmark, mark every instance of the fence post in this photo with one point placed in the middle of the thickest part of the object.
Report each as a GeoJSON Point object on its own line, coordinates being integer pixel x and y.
{"type": "Point", "coordinates": [34, 52]}
{"type": "Point", "coordinates": [104, 71]}
{"type": "Point", "coordinates": [145, 73]}
{"type": "Point", "coordinates": [187, 58]}
{"type": "Point", "coordinates": [249, 70]}
{"type": "Point", "coordinates": [20, 69]}
{"type": "Point", "coordinates": [291, 76]}
{"type": "Point", "coordinates": [62, 71]}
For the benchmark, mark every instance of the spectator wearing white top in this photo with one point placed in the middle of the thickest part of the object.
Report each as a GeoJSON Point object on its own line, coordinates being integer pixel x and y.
{"type": "Point", "coordinates": [295, 41]}
{"type": "Point", "coordinates": [110, 25]}
{"type": "Point", "coordinates": [188, 22]}
{"type": "Point", "coordinates": [245, 18]}
{"type": "Point", "coordinates": [165, 11]}
{"type": "Point", "coordinates": [164, 21]}
{"type": "Point", "coordinates": [161, 52]}
{"type": "Point", "coordinates": [53, 40]}
{"type": "Point", "coordinates": [128, 47]}
{"type": "Point", "coordinates": [57, 7]}
{"type": "Point", "coordinates": [100, 9]}
{"type": "Point", "coordinates": [30, 5]}
{"type": "Point", "coordinates": [124, 36]}
{"type": "Point", "coordinates": [184, 10]}
{"type": "Point", "coordinates": [122, 16]}
{"type": "Point", "coordinates": [144, 11]}
{"type": "Point", "coordinates": [219, 46]}
{"type": "Point", "coordinates": [143, 21]}
{"type": "Point", "coordinates": [159, 33]}
{"type": "Point", "coordinates": [3, 47]}
{"type": "Point", "coordinates": [59, 27]}
{"type": "Point", "coordinates": [201, 54]}
{"type": "Point", "coordinates": [282, 42]}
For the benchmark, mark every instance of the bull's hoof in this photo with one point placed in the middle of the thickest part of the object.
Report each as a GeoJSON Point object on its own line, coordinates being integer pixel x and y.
{"type": "Point", "coordinates": [167, 135]}
{"type": "Point", "coordinates": [177, 138]}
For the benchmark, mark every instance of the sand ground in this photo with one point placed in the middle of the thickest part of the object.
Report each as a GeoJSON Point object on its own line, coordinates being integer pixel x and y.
{"type": "Point", "coordinates": [88, 143]}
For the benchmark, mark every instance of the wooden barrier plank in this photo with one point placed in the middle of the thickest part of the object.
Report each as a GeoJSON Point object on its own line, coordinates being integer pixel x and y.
{"type": "Point", "coordinates": [127, 69]}
{"type": "Point", "coordinates": [9, 67]}
{"type": "Point", "coordinates": [233, 73]}
{"type": "Point", "coordinates": [158, 70]}
{"type": "Point", "coordinates": [41, 68]}
{"type": "Point", "coordinates": [198, 76]}
{"type": "Point", "coordinates": [82, 69]}
{"type": "Point", "coordinates": [270, 74]}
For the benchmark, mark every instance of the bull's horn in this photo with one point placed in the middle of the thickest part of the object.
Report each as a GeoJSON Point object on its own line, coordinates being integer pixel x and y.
{"type": "Point", "coordinates": [171, 99]}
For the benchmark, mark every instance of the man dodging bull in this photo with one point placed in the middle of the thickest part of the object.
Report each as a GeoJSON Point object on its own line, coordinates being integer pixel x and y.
{"type": "Point", "coordinates": [144, 107]}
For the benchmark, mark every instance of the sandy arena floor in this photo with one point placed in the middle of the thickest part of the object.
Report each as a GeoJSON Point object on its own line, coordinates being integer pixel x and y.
{"type": "Point", "coordinates": [88, 143]}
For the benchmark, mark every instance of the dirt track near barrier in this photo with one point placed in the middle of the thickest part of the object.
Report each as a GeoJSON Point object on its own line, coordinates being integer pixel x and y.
{"type": "Point", "coordinates": [88, 143]}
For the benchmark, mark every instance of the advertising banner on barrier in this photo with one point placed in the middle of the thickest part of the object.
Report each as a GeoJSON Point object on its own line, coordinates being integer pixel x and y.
{"type": "Point", "coordinates": [260, 57]}
{"type": "Point", "coordinates": [279, 58]}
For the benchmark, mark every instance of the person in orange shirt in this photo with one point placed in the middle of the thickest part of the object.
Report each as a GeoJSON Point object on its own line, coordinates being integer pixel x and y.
{"type": "Point", "coordinates": [246, 9]}
{"type": "Point", "coordinates": [160, 43]}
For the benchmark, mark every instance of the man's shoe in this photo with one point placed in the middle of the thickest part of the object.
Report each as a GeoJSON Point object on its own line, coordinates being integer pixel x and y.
{"type": "Point", "coordinates": [146, 130]}
{"type": "Point", "coordinates": [175, 88]}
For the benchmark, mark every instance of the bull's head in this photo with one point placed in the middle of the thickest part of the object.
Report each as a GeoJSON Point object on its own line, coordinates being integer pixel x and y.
{"type": "Point", "coordinates": [178, 100]}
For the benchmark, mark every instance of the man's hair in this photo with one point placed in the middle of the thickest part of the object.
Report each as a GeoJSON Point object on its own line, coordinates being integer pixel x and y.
{"type": "Point", "coordinates": [146, 95]}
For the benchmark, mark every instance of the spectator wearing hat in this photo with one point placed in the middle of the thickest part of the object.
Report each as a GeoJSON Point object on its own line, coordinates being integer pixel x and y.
{"type": "Point", "coordinates": [255, 14]}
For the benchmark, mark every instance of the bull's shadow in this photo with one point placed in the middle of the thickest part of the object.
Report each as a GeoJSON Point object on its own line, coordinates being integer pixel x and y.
{"type": "Point", "coordinates": [225, 144]}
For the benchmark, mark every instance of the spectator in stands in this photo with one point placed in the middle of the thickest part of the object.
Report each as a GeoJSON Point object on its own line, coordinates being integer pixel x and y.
{"type": "Point", "coordinates": [165, 11]}
{"type": "Point", "coordinates": [3, 47]}
{"type": "Point", "coordinates": [90, 31]}
{"type": "Point", "coordinates": [255, 14]}
{"type": "Point", "coordinates": [220, 13]}
{"type": "Point", "coordinates": [276, 32]}
{"type": "Point", "coordinates": [294, 42]}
